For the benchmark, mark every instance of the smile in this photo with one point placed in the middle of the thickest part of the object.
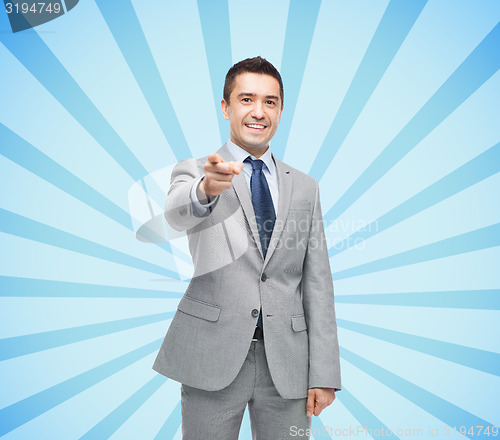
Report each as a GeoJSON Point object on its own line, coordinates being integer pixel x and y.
{"type": "Point", "coordinates": [256, 126]}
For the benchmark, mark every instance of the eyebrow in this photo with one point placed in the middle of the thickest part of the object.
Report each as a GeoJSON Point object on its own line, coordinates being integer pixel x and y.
{"type": "Point", "coordinates": [253, 94]}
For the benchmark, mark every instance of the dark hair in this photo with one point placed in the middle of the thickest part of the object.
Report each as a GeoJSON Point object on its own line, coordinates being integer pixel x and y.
{"type": "Point", "coordinates": [252, 65]}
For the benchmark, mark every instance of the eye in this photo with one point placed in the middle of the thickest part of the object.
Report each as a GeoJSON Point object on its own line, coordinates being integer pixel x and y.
{"type": "Point", "coordinates": [269, 102]}
{"type": "Point", "coordinates": [246, 99]}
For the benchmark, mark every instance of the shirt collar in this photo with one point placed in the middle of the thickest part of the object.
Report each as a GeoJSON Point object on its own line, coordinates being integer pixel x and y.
{"type": "Point", "coordinates": [240, 155]}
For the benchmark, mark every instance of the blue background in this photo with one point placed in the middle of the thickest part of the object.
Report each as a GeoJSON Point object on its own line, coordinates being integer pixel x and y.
{"type": "Point", "coordinates": [393, 106]}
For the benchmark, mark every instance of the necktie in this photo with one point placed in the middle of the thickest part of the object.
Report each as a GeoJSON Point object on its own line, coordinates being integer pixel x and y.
{"type": "Point", "coordinates": [263, 207]}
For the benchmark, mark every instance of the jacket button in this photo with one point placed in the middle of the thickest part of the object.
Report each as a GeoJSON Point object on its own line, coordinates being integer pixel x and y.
{"type": "Point", "coordinates": [255, 313]}
{"type": "Point", "coordinates": [263, 277]}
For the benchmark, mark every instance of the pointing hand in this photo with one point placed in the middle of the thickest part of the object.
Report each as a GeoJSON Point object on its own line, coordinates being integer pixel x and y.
{"type": "Point", "coordinates": [218, 174]}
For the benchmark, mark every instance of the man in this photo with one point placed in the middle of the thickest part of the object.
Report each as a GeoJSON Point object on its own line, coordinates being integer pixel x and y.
{"type": "Point", "coordinates": [257, 323]}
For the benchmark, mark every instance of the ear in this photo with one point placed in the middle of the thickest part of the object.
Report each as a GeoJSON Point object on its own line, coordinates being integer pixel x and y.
{"type": "Point", "coordinates": [279, 114]}
{"type": "Point", "coordinates": [224, 106]}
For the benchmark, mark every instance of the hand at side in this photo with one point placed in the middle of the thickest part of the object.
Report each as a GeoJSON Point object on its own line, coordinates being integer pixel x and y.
{"type": "Point", "coordinates": [318, 399]}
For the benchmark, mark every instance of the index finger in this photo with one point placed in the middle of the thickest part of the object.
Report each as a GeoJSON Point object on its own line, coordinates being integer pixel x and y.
{"type": "Point", "coordinates": [215, 158]}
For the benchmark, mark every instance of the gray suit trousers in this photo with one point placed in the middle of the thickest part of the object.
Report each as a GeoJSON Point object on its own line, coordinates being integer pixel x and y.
{"type": "Point", "coordinates": [217, 415]}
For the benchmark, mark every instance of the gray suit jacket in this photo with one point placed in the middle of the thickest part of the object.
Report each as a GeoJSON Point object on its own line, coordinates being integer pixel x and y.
{"type": "Point", "coordinates": [211, 332]}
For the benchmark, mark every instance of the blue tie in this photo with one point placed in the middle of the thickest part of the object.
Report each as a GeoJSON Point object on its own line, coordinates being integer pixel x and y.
{"type": "Point", "coordinates": [263, 207]}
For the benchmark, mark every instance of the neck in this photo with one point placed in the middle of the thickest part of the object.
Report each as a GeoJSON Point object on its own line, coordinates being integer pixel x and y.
{"type": "Point", "coordinates": [255, 151]}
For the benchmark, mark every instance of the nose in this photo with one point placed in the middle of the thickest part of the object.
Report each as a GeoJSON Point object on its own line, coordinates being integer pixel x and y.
{"type": "Point", "coordinates": [258, 110]}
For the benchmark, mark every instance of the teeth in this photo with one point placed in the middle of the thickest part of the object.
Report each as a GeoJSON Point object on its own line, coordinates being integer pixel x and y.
{"type": "Point", "coordinates": [255, 126]}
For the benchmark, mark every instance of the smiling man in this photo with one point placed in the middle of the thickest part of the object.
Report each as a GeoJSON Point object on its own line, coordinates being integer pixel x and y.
{"type": "Point", "coordinates": [256, 325]}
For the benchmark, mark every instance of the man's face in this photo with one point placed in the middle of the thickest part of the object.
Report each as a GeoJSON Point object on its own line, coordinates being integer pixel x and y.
{"type": "Point", "coordinates": [254, 110]}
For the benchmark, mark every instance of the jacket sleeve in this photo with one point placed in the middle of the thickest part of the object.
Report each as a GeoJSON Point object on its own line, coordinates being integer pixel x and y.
{"type": "Point", "coordinates": [179, 209]}
{"type": "Point", "coordinates": [319, 307]}
{"type": "Point", "coordinates": [200, 209]}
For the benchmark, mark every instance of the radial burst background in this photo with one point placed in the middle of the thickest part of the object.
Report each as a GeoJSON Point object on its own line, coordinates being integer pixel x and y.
{"type": "Point", "coordinates": [393, 106]}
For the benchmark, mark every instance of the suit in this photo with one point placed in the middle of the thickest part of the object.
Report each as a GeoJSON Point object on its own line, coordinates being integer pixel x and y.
{"type": "Point", "coordinates": [211, 332]}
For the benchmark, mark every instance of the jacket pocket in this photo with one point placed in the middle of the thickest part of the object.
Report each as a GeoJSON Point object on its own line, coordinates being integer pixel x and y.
{"type": "Point", "coordinates": [299, 323]}
{"type": "Point", "coordinates": [200, 309]}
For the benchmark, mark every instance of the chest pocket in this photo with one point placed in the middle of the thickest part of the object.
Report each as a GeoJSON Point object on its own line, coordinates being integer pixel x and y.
{"type": "Point", "coordinates": [300, 205]}
{"type": "Point", "coordinates": [298, 221]}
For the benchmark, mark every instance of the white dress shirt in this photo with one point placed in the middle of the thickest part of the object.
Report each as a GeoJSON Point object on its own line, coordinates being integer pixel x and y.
{"type": "Point", "coordinates": [239, 154]}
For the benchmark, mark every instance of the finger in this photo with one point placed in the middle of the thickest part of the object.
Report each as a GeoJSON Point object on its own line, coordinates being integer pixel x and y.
{"type": "Point", "coordinates": [224, 168]}
{"type": "Point", "coordinates": [218, 187]}
{"type": "Point", "coordinates": [237, 167]}
{"type": "Point", "coordinates": [215, 176]}
{"type": "Point", "coordinates": [215, 158]}
{"type": "Point", "coordinates": [218, 167]}
{"type": "Point", "coordinates": [311, 397]}
{"type": "Point", "coordinates": [318, 408]}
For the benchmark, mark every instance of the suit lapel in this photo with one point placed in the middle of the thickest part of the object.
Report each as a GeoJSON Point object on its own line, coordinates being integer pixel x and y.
{"type": "Point", "coordinates": [285, 196]}
{"type": "Point", "coordinates": [241, 188]}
